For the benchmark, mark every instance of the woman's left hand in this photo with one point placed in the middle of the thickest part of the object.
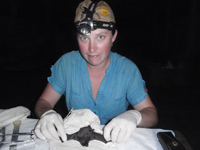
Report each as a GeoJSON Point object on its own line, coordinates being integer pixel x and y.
{"type": "Point", "coordinates": [120, 128]}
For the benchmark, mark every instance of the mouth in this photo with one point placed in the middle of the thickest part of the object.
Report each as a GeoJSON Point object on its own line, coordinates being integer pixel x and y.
{"type": "Point", "coordinates": [93, 56]}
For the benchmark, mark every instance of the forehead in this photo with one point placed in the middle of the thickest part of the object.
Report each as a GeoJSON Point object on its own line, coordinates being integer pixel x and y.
{"type": "Point", "coordinates": [100, 31]}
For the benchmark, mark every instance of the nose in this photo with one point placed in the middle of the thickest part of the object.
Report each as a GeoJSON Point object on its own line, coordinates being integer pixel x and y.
{"type": "Point", "coordinates": [92, 46]}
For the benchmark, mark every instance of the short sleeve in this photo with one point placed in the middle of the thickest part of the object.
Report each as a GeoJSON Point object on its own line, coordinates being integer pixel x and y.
{"type": "Point", "coordinates": [57, 78]}
{"type": "Point", "coordinates": [135, 90]}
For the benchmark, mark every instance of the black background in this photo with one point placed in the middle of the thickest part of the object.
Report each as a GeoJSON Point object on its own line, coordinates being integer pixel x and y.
{"type": "Point", "coordinates": [161, 37]}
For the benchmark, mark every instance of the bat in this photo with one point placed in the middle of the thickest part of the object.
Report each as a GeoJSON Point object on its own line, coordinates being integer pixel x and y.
{"type": "Point", "coordinates": [86, 134]}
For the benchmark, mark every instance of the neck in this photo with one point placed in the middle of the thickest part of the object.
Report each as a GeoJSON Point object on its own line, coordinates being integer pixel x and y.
{"type": "Point", "coordinates": [101, 68]}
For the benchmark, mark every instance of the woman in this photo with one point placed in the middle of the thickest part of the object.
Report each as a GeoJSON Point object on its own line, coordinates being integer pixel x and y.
{"type": "Point", "coordinates": [97, 79]}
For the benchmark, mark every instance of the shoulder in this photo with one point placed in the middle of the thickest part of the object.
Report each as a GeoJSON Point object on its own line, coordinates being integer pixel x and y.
{"type": "Point", "coordinates": [122, 61]}
{"type": "Point", "coordinates": [69, 57]}
{"type": "Point", "coordinates": [66, 61]}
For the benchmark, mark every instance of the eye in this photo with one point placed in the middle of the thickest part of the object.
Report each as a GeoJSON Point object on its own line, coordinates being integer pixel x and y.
{"type": "Point", "coordinates": [83, 38]}
{"type": "Point", "coordinates": [101, 37]}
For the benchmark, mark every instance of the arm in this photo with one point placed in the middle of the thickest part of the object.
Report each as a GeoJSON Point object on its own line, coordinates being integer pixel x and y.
{"type": "Point", "coordinates": [51, 125]}
{"type": "Point", "coordinates": [148, 112]}
{"type": "Point", "coordinates": [47, 101]}
{"type": "Point", "coordinates": [120, 128]}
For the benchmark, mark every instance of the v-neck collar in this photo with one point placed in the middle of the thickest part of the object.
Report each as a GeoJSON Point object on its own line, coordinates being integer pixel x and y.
{"type": "Point", "coordinates": [85, 73]}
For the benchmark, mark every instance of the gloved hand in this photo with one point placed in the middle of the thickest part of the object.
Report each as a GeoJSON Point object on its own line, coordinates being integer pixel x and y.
{"type": "Point", "coordinates": [120, 128]}
{"type": "Point", "coordinates": [50, 126]}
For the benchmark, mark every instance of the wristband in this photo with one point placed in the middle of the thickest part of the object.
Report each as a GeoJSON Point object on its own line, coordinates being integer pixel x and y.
{"type": "Point", "coordinates": [47, 112]}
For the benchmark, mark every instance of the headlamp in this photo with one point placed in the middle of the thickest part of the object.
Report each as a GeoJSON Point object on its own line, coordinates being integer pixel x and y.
{"type": "Point", "coordinates": [87, 25]}
{"type": "Point", "coordinates": [84, 29]}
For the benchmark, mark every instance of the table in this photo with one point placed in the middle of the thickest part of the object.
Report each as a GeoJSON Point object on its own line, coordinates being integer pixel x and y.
{"type": "Point", "coordinates": [141, 139]}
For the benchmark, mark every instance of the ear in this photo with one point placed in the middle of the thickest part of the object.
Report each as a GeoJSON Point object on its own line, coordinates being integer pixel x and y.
{"type": "Point", "coordinates": [114, 36]}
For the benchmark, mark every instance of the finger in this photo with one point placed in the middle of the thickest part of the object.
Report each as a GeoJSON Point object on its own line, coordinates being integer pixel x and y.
{"type": "Point", "coordinates": [128, 134]}
{"type": "Point", "coordinates": [52, 131]}
{"type": "Point", "coordinates": [45, 131]}
{"type": "Point", "coordinates": [115, 133]}
{"type": "Point", "coordinates": [121, 135]}
{"type": "Point", "coordinates": [107, 131]}
{"type": "Point", "coordinates": [39, 134]}
{"type": "Point", "coordinates": [61, 130]}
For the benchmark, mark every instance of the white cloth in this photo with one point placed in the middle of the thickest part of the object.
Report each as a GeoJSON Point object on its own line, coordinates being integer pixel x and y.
{"type": "Point", "coordinates": [26, 126]}
{"type": "Point", "coordinates": [75, 145]}
{"type": "Point", "coordinates": [8, 116]}
{"type": "Point", "coordinates": [76, 120]}
{"type": "Point", "coordinates": [140, 139]}
{"type": "Point", "coordinates": [81, 118]}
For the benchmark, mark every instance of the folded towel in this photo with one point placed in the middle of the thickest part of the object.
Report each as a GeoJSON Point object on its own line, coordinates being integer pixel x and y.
{"type": "Point", "coordinates": [8, 116]}
{"type": "Point", "coordinates": [81, 118]}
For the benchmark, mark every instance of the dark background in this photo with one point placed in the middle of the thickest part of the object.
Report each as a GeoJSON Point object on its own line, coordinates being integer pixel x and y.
{"type": "Point", "coordinates": [161, 37]}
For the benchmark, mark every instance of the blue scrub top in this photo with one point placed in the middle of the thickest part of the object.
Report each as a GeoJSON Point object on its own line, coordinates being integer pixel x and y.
{"type": "Point", "coordinates": [122, 84]}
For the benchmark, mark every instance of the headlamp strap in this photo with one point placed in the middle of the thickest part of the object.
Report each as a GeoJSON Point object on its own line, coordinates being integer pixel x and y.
{"type": "Point", "coordinates": [90, 11]}
{"type": "Point", "coordinates": [105, 25]}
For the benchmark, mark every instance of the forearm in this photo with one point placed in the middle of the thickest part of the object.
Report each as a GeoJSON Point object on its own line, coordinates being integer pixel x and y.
{"type": "Point", "coordinates": [50, 126]}
{"type": "Point", "coordinates": [47, 100]}
{"type": "Point", "coordinates": [41, 107]}
{"type": "Point", "coordinates": [149, 117]}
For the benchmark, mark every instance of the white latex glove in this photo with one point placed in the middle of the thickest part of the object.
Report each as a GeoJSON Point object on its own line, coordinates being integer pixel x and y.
{"type": "Point", "coordinates": [120, 128]}
{"type": "Point", "coordinates": [50, 126]}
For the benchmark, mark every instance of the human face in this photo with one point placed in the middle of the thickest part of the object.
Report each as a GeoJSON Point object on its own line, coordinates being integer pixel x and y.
{"type": "Point", "coordinates": [95, 48]}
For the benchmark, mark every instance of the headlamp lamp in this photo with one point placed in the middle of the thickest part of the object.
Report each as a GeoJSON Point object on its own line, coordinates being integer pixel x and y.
{"type": "Point", "coordinates": [87, 25]}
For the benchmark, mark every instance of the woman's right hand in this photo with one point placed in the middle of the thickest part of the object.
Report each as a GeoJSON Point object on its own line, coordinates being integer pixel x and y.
{"type": "Point", "coordinates": [50, 126]}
